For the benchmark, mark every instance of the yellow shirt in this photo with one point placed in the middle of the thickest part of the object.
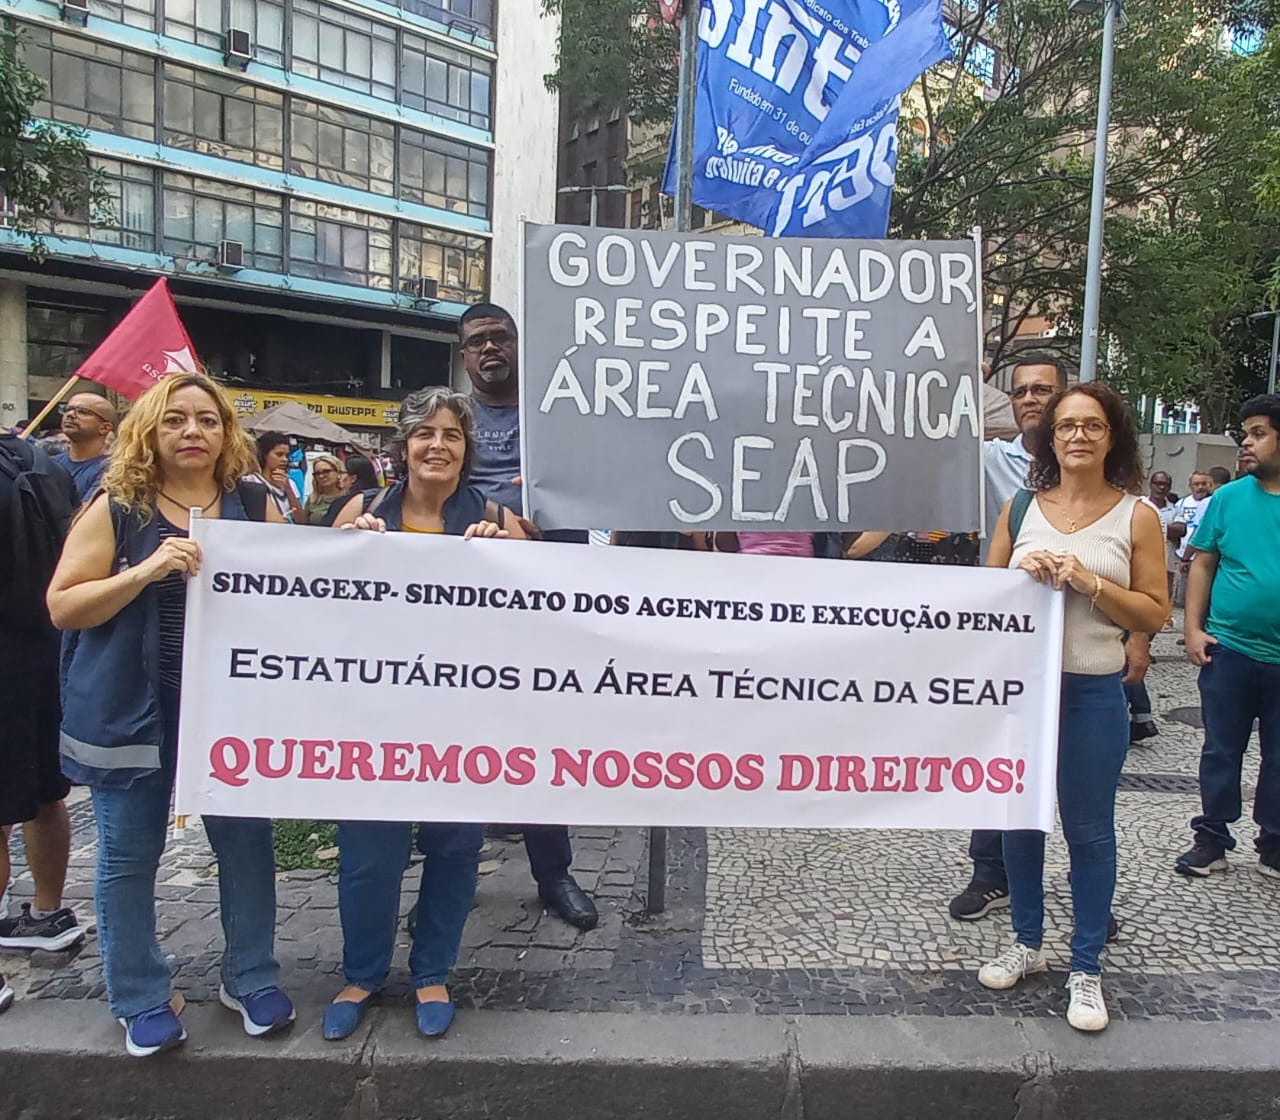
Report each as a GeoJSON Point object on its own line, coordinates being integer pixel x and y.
{"type": "Point", "coordinates": [415, 529]}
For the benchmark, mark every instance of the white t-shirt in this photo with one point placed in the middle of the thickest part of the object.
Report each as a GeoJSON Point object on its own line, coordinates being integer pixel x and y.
{"type": "Point", "coordinates": [1190, 511]}
{"type": "Point", "coordinates": [1165, 513]}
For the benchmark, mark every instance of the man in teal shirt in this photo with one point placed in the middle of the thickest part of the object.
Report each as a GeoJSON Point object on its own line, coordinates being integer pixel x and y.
{"type": "Point", "coordinates": [1233, 634]}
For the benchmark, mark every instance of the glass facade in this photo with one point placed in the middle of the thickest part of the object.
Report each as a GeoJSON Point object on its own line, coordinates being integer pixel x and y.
{"type": "Point", "coordinates": [226, 113]}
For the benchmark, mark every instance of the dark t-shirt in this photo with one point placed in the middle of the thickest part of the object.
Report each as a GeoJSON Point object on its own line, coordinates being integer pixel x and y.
{"type": "Point", "coordinates": [86, 474]}
{"type": "Point", "coordinates": [497, 458]}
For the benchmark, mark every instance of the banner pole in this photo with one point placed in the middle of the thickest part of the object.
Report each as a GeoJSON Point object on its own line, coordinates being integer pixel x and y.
{"type": "Point", "coordinates": [656, 895]}
{"type": "Point", "coordinates": [34, 426]}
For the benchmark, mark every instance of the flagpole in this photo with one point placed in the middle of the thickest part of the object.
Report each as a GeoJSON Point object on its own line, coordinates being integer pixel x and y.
{"type": "Point", "coordinates": [34, 426]}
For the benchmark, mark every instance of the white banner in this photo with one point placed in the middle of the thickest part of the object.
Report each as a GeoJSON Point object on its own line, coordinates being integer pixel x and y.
{"type": "Point", "coordinates": [399, 677]}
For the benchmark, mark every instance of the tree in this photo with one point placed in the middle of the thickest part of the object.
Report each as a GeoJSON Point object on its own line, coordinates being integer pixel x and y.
{"type": "Point", "coordinates": [1002, 138]}
{"type": "Point", "coordinates": [44, 168]}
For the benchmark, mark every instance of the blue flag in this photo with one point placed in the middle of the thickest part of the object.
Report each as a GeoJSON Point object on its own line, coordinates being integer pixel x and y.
{"type": "Point", "coordinates": [797, 109]}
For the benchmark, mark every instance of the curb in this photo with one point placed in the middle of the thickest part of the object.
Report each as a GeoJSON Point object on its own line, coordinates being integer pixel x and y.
{"type": "Point", "coordinates": [64, 1060]}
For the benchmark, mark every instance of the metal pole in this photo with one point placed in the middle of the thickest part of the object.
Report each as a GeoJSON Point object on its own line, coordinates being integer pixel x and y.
{"type": "Point", "coordinates": [656, 899]}
{"type": "Point", "coordinates": [1275, 351]}
{"type": "Point", "coordinates": [595, 208]}
{"type": "Point", "coordinates": [1093, 275]}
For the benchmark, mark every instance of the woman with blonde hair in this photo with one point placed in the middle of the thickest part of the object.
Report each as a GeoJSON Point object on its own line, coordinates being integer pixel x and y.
{"type": "Point", "coordinates": [328, 475]}
{"type": "Point", "coordinates": [120, 589]}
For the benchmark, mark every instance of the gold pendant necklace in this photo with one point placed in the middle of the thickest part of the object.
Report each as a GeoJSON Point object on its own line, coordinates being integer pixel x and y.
{"type": "Point", "coordinates": [1071, 524]}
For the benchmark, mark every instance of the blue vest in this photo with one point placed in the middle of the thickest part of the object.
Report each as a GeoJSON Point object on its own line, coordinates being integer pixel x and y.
{"type": "Point", "coordinates": [463, 508]}
{"type": "Point", "coordinates": [112, 728]}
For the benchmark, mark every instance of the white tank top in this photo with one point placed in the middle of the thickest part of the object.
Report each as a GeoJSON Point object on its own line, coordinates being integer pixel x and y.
{"type": "Point", "coordinates": [1092, 643]}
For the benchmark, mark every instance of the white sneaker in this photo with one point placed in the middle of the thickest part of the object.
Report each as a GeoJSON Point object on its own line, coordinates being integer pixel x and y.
{"type": "Point", "coordinates": [1011, 966]}
{"type": "Point", "coordinates": [1087, 1010]}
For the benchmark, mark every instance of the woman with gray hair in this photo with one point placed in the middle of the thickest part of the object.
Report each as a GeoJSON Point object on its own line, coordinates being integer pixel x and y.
{"type": "Point", "coordinates": [434, 443]}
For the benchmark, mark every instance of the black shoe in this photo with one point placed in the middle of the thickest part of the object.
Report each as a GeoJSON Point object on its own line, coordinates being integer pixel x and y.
{"type": "Point", "coordinates": [1269, 864]}
{"type": "Point", "coordinates": [1204, 858]}
{"type": "Point", "coordinates": [1140, 731]}
{"type": "Point", "coordinates": [6, 995]}
{"type": "Point", "coordinates": [977, 900]}
{"type": "Point", "coordinates": [1113, 929]}
{"type": "Point", "coordinates": [568, 901]}
{"type": "Point", "coordinates": [58, 930]}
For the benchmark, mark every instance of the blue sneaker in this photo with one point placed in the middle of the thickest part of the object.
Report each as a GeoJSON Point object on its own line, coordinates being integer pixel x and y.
{"type": "Point", "coordinates": [152, 1032]}
{"type": "Point", "coordinates": [263, 1011]}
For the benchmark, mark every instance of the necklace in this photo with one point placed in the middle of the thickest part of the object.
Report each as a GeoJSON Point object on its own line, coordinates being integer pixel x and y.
{"type": "Point", "coordinates": [182, 505]}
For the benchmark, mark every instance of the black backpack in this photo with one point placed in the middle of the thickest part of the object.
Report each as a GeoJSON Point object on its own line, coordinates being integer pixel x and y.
{"type": "Point", "coordinates": [33, 524]}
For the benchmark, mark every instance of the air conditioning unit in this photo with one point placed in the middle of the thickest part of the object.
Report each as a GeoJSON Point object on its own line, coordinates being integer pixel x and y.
{"type": "Point", "coordinates": [230, 254]}
{"type": "Point", "coordinates": [239, 48]}
{"type": "Point", "coordinates": [421, 287]}
{"type": "Point", "coordinates": [76, 11]}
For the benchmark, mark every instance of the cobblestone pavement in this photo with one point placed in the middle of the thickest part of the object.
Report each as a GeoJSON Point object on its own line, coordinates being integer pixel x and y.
{"type": "Point", "coordinates": [767, 922]}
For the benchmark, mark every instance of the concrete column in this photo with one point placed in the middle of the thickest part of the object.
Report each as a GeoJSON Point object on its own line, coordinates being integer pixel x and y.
{"type": "Point", "coordinates": [13, 352]}
{"type": "Point", "coordinates": [384, 367]}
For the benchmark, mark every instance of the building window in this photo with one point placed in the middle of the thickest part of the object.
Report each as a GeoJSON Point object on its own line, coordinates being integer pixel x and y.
{"type": "Point", "coordinates": [264, 20]}
{"type": "Point", "coordinates": [129, 218]}
{"type": "Point", "coordinates": [223, 116]}
{"type": "Point", "coordinates": [333, 243]}
{"type": "Point", "coordinates": [444, 173]}
{"type": "Point", "coordinates": [449, 83]}
{"type": "Point", "coordinates": [334, 146]}
{"type": "Point", "coordinates": [135, 13]}
{"type": "Point", "coordinates": [477, 14]}
{"type": "Point", "coordinates": [195, 21]}
{"type": "Point", "coordinates": [345, 49]}
{"type": "Point", "coordinates": [201, 213]}
{"type": "Point", "coordinates": [93, 85]}
{"type": "Point", "coordinates": [457, 262]}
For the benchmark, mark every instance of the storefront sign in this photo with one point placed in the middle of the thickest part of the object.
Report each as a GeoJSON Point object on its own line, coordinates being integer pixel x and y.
{"type": "Point", "coordinates": [350, 412]}
{"type": "Point", "coordinates": [366, 676]}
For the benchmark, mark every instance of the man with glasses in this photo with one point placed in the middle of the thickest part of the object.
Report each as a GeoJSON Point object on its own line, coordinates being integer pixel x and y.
{"type": "Point", "coordinates": [488, 338]}
{"type": "Point", "coordinates": [87, 420]}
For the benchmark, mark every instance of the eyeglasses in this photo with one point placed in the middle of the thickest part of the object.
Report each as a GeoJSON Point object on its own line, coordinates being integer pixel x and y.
{"type": "Point", "coordinates": [1092, 430]}
{"type": "Point", "coordinates": [82, 410]}
{"type": "Point", "coordinates": [324, 473]}
{"type": "Point", "coordinates": [1041, 391]}
{"type": "Point", "coordinates": [477, 342]}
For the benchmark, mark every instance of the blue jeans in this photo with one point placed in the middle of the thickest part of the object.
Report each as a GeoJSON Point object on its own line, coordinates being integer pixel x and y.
{"type": "Point", "coordinates": [131, 834]}
{"type": "Point", "coordinates": [1093, 737]}
{"type": "Point", "coordinates": [1139, 703]}
{"type": "Point", "coordinates": [1234, 691]}
{"type": "Point", "coordinates": [986, 849]}
{"type": "Point", "coordinates": [371, 862]}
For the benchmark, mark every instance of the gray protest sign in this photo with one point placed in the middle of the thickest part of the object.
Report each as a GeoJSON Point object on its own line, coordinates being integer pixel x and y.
{"type": "Point", "coordinates": [675, 381]}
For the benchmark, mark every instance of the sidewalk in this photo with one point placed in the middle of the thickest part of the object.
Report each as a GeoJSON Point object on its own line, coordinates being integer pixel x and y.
{"type": "Point", "coordinates": [766, 923]}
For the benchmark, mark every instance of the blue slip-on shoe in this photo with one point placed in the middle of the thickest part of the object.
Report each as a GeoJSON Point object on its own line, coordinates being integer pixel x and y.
{"type": "Point", "coordinates": [341, 1018]}
{"type": "Point", "coordinates": [263, 1012]}
{"type": "Point", "coordinates": [152, 1031]}
{"type": "Point", "coordinates": [434, 1018]}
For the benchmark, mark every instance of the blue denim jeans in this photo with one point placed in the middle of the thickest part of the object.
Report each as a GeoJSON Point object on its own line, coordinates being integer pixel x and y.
{"type": "Point", "coordinates": [131, 834]}
{"type": "Point", "coordinates": [1139, 703]}
{"type": "Point", "coordinates": [1093, 738]}
{"type": "Point", "coordinates": [371, 862]}
{"type": "Point", "coordinates": [986, 849]}
{"type": "Point", "coordinates": [1234, 691]}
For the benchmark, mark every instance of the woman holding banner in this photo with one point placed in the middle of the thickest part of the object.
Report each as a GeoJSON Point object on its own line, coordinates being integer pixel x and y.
{"type": "Point", "coordinates": [434, 441]}
{"type": "Point", "coordinates": [1081, 529]}
{"type": "Point", "coordinates": [120, 590]}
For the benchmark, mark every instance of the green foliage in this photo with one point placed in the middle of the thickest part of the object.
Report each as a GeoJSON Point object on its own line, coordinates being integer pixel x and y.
{"type": "Point", "coordinates": [297, 842]}
{"type": "Point", "coordinates": [616, 53]}
{"type": "Point", "coordinates": [44, 168]}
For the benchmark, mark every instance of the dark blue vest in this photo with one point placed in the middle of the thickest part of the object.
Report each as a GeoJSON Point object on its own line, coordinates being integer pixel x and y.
{"type": "Point", "coordinates": [111, 721]}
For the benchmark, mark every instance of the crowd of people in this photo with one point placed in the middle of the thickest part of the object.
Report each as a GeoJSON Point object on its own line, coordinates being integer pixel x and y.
{"type": "Point", "coordinates": [1066, 509]}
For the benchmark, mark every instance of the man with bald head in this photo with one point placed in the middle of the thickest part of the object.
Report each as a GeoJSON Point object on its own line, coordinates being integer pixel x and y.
{"type": "Point", "coordinates": [87, 420]}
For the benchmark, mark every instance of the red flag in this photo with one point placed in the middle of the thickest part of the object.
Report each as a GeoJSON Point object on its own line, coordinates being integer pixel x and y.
{"type": "Point", "coordinates": [148, 343]}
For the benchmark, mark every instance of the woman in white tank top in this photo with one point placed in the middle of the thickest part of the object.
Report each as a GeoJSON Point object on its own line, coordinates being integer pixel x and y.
{"type": "Point", "coordinates": [1085, 534]}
